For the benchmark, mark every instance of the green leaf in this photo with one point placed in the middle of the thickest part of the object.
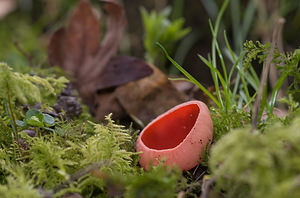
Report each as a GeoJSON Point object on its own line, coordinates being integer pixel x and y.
{"type": "Point", "coordinates": [32, 112]}
{"type": "Point", "coordinates": [48, 119]}
{"type": "Point", "coordinates": [189, 76]}
{"type": "Point", "coordinates": [35, 121]}
{"type": "Point", "coordinates": [20, 123]}
{"type": "Point", "coordinates": [49, 129]}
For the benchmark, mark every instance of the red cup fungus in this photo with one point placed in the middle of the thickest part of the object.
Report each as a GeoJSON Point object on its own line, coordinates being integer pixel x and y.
{"type": "Point", "coordinates": [180, 136]}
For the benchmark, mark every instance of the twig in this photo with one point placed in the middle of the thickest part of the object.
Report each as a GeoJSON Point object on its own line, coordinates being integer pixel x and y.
{"type": "Point", "coordinates": [206, 188]}
{"type": "Point", "coordinates": [273, 70]}
{"type": "Point", "coordinates": [265, 72]}
{"type": "Point", "coordinates": [181, 194]}
{"type": "Point", "coordinates": [22, 51]}
{"type": "Point", "coordinates": [80, 173]}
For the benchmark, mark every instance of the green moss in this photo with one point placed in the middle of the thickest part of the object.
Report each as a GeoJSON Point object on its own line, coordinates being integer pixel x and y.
{"type": "Point", "coordinates": [258, 165]}
{"type": "Point", "coordinates": [26, 88]}
{"type": "Point", "coordinates": [158, 182]}
{"type": "Point", "coordinates": [46, 163]}
{"type": "Point", "coordinates": [225, 122]}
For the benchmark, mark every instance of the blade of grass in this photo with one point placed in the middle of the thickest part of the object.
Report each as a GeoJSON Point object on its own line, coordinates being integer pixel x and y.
{"type": "Point", "coordinates": [275, 92]}
{"type": "Point", "coordinates": [248, 18]}
{"type": "Point", "coordinates": [222, 80]}
{"type": "Point", "coordinates": [180, 79]}
{"type": "Point", "coordinates": [214, 42]}
{"type": "Point", "coordinates": [9, 116]}
{"type": "Point", "coordinates": [190, 77]}
{"type": "Point", "coordinates": [219, 51]}
{"type": "Point", "coordinates": [240, 72]}
{"type": "Point", "coordinates": [251, 80]}
{"type": "Point", "coordinates": [250, 101]}
{"type": "Point", "coordinates": [260, 100]}
{"type": "Point", "coordinates": [254, 74]}
{"type": "Point", "coordinates": [245, 87]}
{"type": "Point", "coordinates": [211, 8]}
{"type": "Point", "coordinates": [236, 86]}
{"type": "Point", "coordinates": [235, 18]}
{"type": "Point", "coordinates": [214, 74]}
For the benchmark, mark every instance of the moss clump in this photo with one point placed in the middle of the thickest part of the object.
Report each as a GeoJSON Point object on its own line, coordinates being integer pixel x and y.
{"type": "Point", "coordinates": [26, 88]}
{"type": "Point", "coordinates": [258, 165]}
{"type": "Point", "coordinates": [158, 182]}
{"type": "Point", "coordinates": [224, 122]}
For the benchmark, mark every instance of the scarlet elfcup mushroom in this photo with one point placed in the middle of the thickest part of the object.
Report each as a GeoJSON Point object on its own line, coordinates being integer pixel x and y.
{"type": "Point", "coordinates": [180, 136]}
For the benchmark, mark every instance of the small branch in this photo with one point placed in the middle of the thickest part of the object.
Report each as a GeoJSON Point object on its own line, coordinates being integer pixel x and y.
{"type": "Point", "coordinates": [274, 73]}
{"type": "Point", "coordinates": [22, 51]}
{"type": "Point", "coordinates": [80, 173]}
{"type": "Point", "coordinates": [265, 72]}
{"type": "Point", "coordinates": [207, 187]}
{"type": "Point", "coordinates": [181, 194]}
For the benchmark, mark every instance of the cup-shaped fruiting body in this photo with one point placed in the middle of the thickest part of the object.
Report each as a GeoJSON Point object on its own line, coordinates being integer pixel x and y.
{"type": "Point", "coordinates": [180, 136]}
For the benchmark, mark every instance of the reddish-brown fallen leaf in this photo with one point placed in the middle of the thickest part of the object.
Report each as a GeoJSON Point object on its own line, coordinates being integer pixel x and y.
{"type": "Point", "coordinates": [77, 50]}
{"type": "Point", "coordinates": [106, 102]}
{"type": "Point", "coordinates": [81, 37]}
{"type": "Point", "coordinates": [56, 50]}
{"type": "Point", "coordinates": [109, 83]}
{"type": "Point", "coordinates": [122, 69]}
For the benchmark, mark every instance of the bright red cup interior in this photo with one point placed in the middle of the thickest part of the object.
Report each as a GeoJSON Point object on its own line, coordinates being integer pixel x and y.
{"type": "Point", "coordinates": [171, 129]}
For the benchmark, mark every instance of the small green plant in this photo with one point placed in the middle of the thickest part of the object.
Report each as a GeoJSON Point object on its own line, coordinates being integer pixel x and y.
{"type": "Point", "coordinates": [17, 184]}
{"type": "Point", "coordinates": [226, 97]}
{"type": "Point", "coordinates": [36, 118]}
{"type": "Point", "coordinates": [158, 182]}
{"type": "Point", "coordinates": [47, 164]}
{"type": "Point", "coordinates": [26, 89]}
{"type": "Point", "coordinates": [232, 92]}
{"type": "Point", "coordinates": [286, 63]}
{"type": "Point", "coordinates": [158, 28]}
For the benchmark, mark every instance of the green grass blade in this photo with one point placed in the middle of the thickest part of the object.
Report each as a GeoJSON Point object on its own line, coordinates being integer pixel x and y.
{"type": "Point", "coordinates": [254, 74]}
{"type": "Point", "coordinates": [248, 19]}
{"type": "Point", "coordinates": [235, 66]}
{"type": "Point", "coordinates": [9, 116]}
{"type": "Point", "coordinates": [190, 77]}
{"type": "Point", "coordinates": [245, 86]}
{"type": "Point", "coordinates": [214, 63]}
{"type": "Point", "coordinates": [263, 103]}
{"type": "Point", "coordinates": [251, 80]}
{"type": "Point", "coordinates": [222, 80]}
{"type": "Point", "coordinates": [180, 79]}
{"type": "Point", "coordinates": [236, 86]}
{"type": "Point", "coordinates": [235, 19]}
{"type": "Point", "coordinates": [275, 92]}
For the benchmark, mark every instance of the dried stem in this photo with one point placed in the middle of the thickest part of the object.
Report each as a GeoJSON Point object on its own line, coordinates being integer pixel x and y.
{"type": "Point", "coordinates": [81, 173]}
{"type": "Point", "coordinates": [207, 187]}
{"type": "Point", "coordinates": [22, 51]}
{"type": "Point", "coordinates": [265, 73]}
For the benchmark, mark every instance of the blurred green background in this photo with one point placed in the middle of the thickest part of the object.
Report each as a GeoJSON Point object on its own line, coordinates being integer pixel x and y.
{"type": "Point", "coordinates": [25, 28]}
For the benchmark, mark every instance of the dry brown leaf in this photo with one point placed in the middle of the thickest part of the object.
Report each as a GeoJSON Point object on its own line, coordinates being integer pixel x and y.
{"type": "Point", "coordinates": [81, 37]}
{"type": "Point", "coordinates": [149, 97]}
{"type": "Point", "coordinates": [56, 50]}
{"type": "Point", "coordinates": [77, 50]}
{"type": "Point", "coordinates": [122, 69]}
{"type": "Point", "coordinates": [101, 77]}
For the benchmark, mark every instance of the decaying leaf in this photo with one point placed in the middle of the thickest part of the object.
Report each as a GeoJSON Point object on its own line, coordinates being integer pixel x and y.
{"type": "Point", "coordinates": [108, 83]}
{"type": "Point", "coordinates": [77, 50]}
{"type": "Point", "coordinates": [120, 70]}
{"type": "Point", "coordinates": [150, 96]}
